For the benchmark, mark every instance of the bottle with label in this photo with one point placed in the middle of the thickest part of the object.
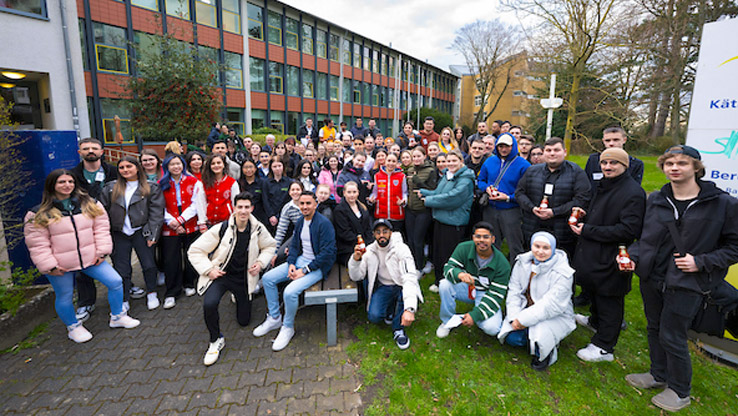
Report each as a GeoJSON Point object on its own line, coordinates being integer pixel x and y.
{"type": "Point", "coordinates": [544, 202]}
{"type": "Point", "coordinates": [576, 213]}
{"type": "Point", "coordinates": [360, 242]}
{"type": "Point", "coordinates": [494, 192]}
{"type": "Point", "coordinates": [623, 258]}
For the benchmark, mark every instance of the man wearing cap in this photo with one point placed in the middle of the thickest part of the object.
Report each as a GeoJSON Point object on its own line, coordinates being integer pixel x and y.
{"type": "Point", "coordinates": [499, 177]}
{"type": "Point", "coordinates": [476, 273]}
{"type": "Point", "coordinates": [688, 242]}
{"type": "Point", "coordinates": [392, 287]}
{"type": "Point", "coordinates": [614, 217]}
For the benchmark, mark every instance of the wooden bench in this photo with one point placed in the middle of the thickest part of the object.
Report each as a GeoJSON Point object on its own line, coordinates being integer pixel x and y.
{"type": "Point", "coordinates": [336, 288]}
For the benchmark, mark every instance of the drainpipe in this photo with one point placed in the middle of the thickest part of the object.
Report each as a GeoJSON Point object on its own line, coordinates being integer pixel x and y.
{"type": "Point", "coordinates": [70, 76]}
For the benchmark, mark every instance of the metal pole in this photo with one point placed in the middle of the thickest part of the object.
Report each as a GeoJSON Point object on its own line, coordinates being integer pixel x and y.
{"type": "Point", "coordinates": [549, 121]}
{"type": "Point", "coordinates": [70, 73]}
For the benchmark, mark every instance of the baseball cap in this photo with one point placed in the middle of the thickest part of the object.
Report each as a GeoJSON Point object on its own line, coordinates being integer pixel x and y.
{"type": "Point", "coordinates": [382, 222]}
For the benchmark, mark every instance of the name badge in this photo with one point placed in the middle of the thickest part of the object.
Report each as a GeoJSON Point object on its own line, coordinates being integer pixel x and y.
{"type": "Point", "coordinates": [100, 176]}
{"type": "Point", "coordinates": [597, 176]}
{"type": "Point", "coordinates": [548, 189]}
{"type": "Point", "coordinates": [484, 280]}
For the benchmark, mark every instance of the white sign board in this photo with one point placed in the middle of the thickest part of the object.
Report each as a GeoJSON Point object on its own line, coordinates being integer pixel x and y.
{"type": "Point", "coordinates": [713, 117]}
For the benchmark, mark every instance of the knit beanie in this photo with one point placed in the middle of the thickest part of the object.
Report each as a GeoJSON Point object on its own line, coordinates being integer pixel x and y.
{"type": "Point", "coordinates": [616, 154]}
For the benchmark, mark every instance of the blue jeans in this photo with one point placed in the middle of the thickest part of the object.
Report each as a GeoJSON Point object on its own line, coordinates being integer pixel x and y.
{"type": "Point", "coordinates": [291, 293]}
{"type": "Point", "coordinates": [385, 301]}
{"type": "Point", "coordinates": [517, 338]}
{"type": "Point", "coordinates": [451, 292]}
{"type": "Point", "coordinates": [64, 289]}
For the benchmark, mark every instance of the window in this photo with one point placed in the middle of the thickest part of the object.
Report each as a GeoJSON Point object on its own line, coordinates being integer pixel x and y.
{"type": "Point", "coordinates": [334, 88]}
{"type": "Point", "coordinates": [518, 93]}
{"type": "Point", "coordinates": [519, 73]}
{"type": "Point", "coordinates": [391, 70]}
{"type": "Point", "coordinates": [275, 77]}
{"type": "Point", "coordinates": [346, 52]}
{"type": "Point", "coordinates": [277, 121]}
{"type": "Point", "coordinates": [357, 92]}
{"type": "Point", "coordinates": [83, 44]}
{"type": "Point", "coordinates": [292, 118]}
{"type": "Point", "coordinates": [403, 71]}
{"type": "Point", "coordinates": [256, 18]}
{"type": "Point", "coordinates": [375, 61]}
{"type": "Point", "coordinates": [206, 13]}
{"type": "Point", "coordinates": [28, 7]}
{"type": "Point", "coordinates": [357, 55]}
{"type": "Point", "coordinates": [291, 28]}
{"type": "Point", "coordinates": [179, 8]}
{"type": "Point", "coordinates": [323, 86]}
{"type": "Point", "coordinates": [258, 119]}
{"type": "Point", "coordinates": [383, 66]}
{"type": "Point", "coordinates": [110, 48]}
{"type": "Point", "coordinates": [231, 16]}
{"type": "Point", "coordinates": [211, 54]}
{"type": "Point", "coordinates": [146, 4]}
{"type": "Point", "coordinates": [146, 46]}
{"type": "Point", "coordinates": [274, 26]}
{"type": "Point", "coordinates": [109, 109]}
{"type": "Point", "coordinates": [477, 100]}
{"type": "Point", "coordinates": [308, 90]}
{"type": "Point", "coordinates": [375, 95]}
{"type": "Point", "coordinates": [391, 98]}
{"type": "Point", "coordinates": [256, 74]}
{"type": "Point", "coordinates": [411, 69]}
{"type": "Point", "coordinates": [367, 62]}
{"type": "Point", "coordinates": [322, 44]}
{"type": "Point", "coordinates": [333, 50]}
{"type": "Point", "coordinates": [367, 94]}
{"type": "Point", "coordinates": [347, 90]}
{"type": "Point", "coordinates": [307, 39]}
{"type": "Point", "coordinates": [293, 80]}
{"type": "Point", "coordinates": [235, 119]}
{"type": "Point", "coordinates": [234, 70]}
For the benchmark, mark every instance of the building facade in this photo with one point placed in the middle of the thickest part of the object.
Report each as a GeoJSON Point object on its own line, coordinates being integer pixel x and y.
{"type": "Point", "coordinates": [282, 65]}
{"type": "Point", "coordinates": [516, 100]}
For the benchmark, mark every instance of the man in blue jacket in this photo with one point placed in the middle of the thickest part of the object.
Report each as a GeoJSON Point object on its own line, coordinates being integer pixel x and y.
{"type": "Point", "coordinates": [312, 254]}
{"type": "Point", "coordinates": [498, 178]}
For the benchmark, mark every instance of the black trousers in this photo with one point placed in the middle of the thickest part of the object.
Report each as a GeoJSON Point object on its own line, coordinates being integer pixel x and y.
{"type": "Point", "coordinates": [417, 227]}
{"type": "Point", "coordinates": [445, 240]}
{"type": "Point", "coordinates": [177, 268]}
{"type": "Point", "coordinates": [607, 315]}
{"type": "Point", "coordinates": [211, 300]}
{"type": "Point", "coordinates": [669, 314]}
{"type": "Point", "coordinates": [122, 247]}
{"type": "Point", "coordinates": [86, 291]}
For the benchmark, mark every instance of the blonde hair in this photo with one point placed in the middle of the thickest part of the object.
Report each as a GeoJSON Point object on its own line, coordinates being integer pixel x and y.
{"type": "Point", "coordinates": [48, 213]}
{"type": "Point", "coordinates": [173, 147]}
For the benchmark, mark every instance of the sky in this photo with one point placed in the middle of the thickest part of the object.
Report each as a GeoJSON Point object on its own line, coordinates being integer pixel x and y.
{"type": "Point", "coordinates": [423, 29]}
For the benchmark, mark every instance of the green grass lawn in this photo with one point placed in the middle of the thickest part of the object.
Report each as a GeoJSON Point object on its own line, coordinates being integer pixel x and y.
{"type": "Point", "coordinates": [470, 373]}
{"type": "Point", "coordinates": [653, 177]}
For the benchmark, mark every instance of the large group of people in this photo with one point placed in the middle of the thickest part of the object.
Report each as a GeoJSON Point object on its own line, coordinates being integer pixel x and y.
{"type": "Point", "coordinates": [245, 217]}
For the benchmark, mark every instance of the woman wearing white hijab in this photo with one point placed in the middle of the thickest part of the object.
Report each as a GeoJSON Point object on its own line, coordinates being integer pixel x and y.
{"type": "Point", "coordinates": [539, 309]}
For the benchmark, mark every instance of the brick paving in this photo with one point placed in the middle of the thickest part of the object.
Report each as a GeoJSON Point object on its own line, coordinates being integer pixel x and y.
{"type": "Point", "coordinates": [157, 368]}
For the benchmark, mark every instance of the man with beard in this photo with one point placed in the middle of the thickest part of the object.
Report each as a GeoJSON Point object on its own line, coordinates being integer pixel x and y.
{"type": "Point", "coordinates": [91, 174]}
{"type": "Point", "coordinates": [391, 280]}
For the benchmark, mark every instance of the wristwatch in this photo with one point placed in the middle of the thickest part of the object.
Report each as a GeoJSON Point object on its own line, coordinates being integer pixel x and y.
{"type": "Point", "coordinates": [305, 270]}
{"type": "Point", "coordinates": [411, 310]}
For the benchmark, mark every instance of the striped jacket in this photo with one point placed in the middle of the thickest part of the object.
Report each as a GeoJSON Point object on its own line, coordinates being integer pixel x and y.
{"type": "Point", "coordinates": [490, 281]}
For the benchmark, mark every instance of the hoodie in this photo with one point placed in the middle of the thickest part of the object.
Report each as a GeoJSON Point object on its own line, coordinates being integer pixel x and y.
{"type": "Point", "coordinates": [512, 167]}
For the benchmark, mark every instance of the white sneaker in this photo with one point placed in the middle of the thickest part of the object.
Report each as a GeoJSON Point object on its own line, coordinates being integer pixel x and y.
{"type": "Point", "coordinates": [169, 302]}
{"type": "Point", "coordinates": [78, 333]}
{"type": "Point", "coordinates": [213, 351]}
{"type": "Point", "coordinates": [433, 288]}
{"type": "Point", "coordinates": [189, 291]}
{"type": "Point", "coordinates": [269, 324]}
{"type": "Point", "coordinates": [283, 338]}
{"type": "Point", "coordinates": [161, 279]}
{"type": "Point", "coordinates": [420, 274]}
{"type": "Point", "coordinates": [583, 320]}
{"type": "Point", "coordinates": [233, 298]}
{"type": "Point", "coordinates": [152, 302]}
{"type": "Point", "coordinates": [442, 331]}
{"type": "Point", "coordinates": [428, 267]}
{"type": "Point", "coordinates": [593, 354]}
{"type": "Point", "coordinates": [123, 321]}
{"type": "Point", "coordinates": [126, 307]}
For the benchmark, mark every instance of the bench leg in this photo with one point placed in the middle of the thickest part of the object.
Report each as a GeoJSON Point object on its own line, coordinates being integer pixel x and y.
{"type": "Point", "coordinates": [330, 320]}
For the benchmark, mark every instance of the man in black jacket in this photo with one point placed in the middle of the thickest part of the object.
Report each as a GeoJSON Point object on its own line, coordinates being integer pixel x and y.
{"type": "Point", "coordinates": [308, 132]}
{"type": "Point", "coordinates": [91, 174]}
{"type": "Point", "coordinates": [565, 186]}
{"type": "Point", "coordinates": [612, 137]}
{"type": "Point", "coordinates": [614, 218]}
{"type": "Point", "coordinates": [688, 242]}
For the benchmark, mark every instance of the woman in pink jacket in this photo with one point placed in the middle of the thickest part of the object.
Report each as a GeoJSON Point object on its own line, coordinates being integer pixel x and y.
{"type": "Point", "coordinates": [67, 233]}
{"type": "Point", "coordinates": [329, 175]}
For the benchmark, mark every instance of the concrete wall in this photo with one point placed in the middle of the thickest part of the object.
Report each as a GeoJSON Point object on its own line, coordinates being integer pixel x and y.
{"type": "Point", "coordinates": [37, 45]}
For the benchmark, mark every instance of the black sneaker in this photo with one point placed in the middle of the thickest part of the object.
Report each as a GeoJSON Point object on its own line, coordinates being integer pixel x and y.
{"type": "Point", "coordinates": [137, 292]}
{"type": "Point", "coordinates": [402, 341]}
{"type": "Point", "coordinates": [388, 319]}
{"type": "Point", "coordinates": [83, 312]}
{"type": "Point", "coordinates": [581, 300]}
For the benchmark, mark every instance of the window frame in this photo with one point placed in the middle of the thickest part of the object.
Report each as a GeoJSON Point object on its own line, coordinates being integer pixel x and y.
{"type": "Point", "coordinates": [280, 77]}
{"type": "Point", "coordinates": [259, 22]}
{"type": "Point", "coordinates": [269, 26]}
{"type": "Point", "coordinates": [97, 59]}
{"type": "Point", "coordinates": [105, 121]}
{"type": "Point", "coordinates": [215, 13]}
{"type": "Point", "coordinates": [311, 39]}
{"type": "Point", "coordinates": [324, 44]}
{"type": "Point", "coordinates": [287, 33]}
{"type": "Point", "coordinates": [156, 3]}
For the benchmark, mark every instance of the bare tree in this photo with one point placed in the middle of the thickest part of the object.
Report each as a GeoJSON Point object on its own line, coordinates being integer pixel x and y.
{"type": "Point", "coordinates": [579, 27]}
{"type": "Point", "coordinates": [488, 48]}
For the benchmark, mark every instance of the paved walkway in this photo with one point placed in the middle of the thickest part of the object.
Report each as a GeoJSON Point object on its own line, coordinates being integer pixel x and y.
{"type": "Point", "coordinates": [157, 368]}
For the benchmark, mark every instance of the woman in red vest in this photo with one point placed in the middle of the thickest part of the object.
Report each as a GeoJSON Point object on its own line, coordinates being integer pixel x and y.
{"type": "Point", "coordinates": [220, 189]}
{"type": "Point", "coordinates": [181, 192]}
{"type": "Point", "coordinates": [390, 193]}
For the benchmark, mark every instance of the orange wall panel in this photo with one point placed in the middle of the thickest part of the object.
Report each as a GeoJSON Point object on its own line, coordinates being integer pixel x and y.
{"type": "Point", "coordinates": [208, 36]}
{"type": "Point", "coordinates": [88, 83]}
{"type": "Point", "coordinates": [322, 107]}
{"type": "Point", "coordinates": [81, 8]}
{"type": "Point", "coordinates": [181, 29]}
{"type": "Point", "coordinates": [235, 98]}
{"type": "Point", "coordinates": [323, 65]}
{"type": "Point", "coordinates": [259, 100]}
{"type": "Point", "coordinates": [308, 105]}
{"type": "Point", "coordinates": [293, 57]}
{"type": "Point", "coordinates": [111, 85]}
{"type": "Point", "coordinates": [108, 11]}
{"type": "Point", "coordinates": [233, 42]}
{"type": "Point", "coordinates": [145, 20]}
{"type": "Point", "coordinates": [277, 102]}
{"type": "Point", "coordinates": [308, 62]}
{"type": "Point", "coordinates": [276, 53]}
{"type": "Point", "coordinates": [293, 103]}
{"type": "Point", "coordinates": [335, 69]}
{"type": "Point", "coordinates": [257, 49]}
{"type": "Point", "coordinates": [347, 110]}
{"type": "Point", "coordinates": [335, 108]}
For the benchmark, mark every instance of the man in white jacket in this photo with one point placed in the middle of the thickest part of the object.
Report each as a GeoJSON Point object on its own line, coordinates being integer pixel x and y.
{"type": "Point", "coordinates": [392, 285]}
{"type": "Point", "coordinates": [239, 253]}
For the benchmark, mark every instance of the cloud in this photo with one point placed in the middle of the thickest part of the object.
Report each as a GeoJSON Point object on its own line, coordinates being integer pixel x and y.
{"type": "Point", "coordinates": [423, 29]}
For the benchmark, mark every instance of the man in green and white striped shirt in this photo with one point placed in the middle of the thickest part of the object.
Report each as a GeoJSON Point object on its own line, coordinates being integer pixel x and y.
{"type": "Point", "coordinates": [477, 273]}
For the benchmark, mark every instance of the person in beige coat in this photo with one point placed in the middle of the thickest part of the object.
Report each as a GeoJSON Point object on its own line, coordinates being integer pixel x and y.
{"type": "Point", "coordinates": [240, 251]}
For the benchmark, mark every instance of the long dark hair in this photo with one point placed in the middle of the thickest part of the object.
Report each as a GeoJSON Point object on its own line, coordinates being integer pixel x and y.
{"type": "Point", "coordinates": [119, 188]}
{"type": "Point", "coordinates": [193, 153]}
{"type": "Point", "coordinates": [242, 180]}
{"type": "Point", "coordinates": [298, 171]}
{"type": "Point", "coordinates": [151, 152]}
{"type": "Point", "coordinates": [208, 177]}
{"type": "Point", "coordinates": [164, 181]}
{"type": "Point", "coordinates": [47, 213]}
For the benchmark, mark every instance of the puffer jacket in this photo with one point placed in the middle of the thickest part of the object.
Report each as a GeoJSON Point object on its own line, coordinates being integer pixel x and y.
{"type": "Point", "coordinates": [326, 177]}
{"type": "Point", "coordinates": [513, 168]}
{"type": "Point", "coordinates": [451, 200]}
{"type": "Point", "coordinates": [708, 229]}
{"type": "Point", "coordinates": [400, 265]}
{"type": "Point", "coordinates": [419, 177]}
{"type": "Point", "coordinates": [73, 243]}
{"type": "Point", "coordinates": [261, 247]}
{"type": "Point", "coordinates": [143, 212]}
